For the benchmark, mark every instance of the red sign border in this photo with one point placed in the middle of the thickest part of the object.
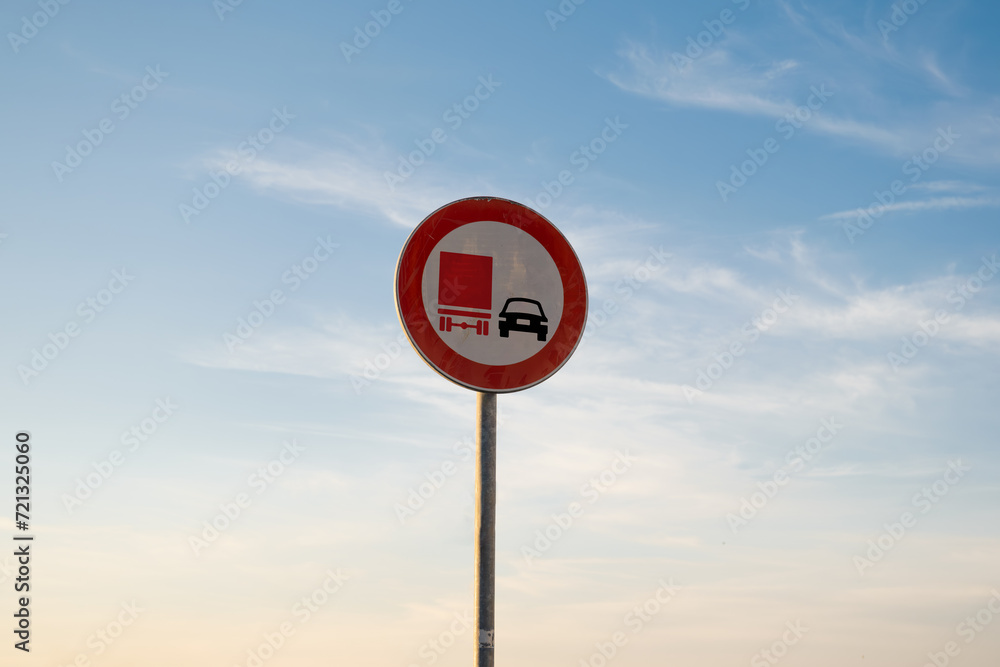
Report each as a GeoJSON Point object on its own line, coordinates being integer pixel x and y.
{"type": "Point", "coordinates": [420, 330]}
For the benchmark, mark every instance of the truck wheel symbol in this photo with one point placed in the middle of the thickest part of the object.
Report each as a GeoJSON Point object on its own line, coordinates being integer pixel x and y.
{"type": "Point", "coordinates": [482, 327]}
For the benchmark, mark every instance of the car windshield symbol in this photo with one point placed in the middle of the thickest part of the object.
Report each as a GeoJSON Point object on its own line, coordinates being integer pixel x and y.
{"type": "Point", "coordinates": [521, 314]}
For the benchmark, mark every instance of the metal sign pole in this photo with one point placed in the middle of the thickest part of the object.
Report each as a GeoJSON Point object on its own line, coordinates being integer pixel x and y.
{"type": "Point", "coordinates": [486, 501]}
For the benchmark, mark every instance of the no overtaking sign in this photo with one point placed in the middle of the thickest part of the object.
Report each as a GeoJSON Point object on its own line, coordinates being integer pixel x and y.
{"type": "Point", "coordinates": [491, 294]}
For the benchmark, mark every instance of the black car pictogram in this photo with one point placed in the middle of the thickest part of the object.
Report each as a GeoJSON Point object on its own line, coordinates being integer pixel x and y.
{"type": "Point", "coordinates": [528, 317]}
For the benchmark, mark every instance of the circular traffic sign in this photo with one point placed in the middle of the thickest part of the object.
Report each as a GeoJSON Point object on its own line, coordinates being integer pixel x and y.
{"type": "Point", "coordinates": [491, 294]}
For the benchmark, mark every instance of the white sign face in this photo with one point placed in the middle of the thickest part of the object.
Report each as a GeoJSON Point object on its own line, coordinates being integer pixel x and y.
{"type": "Point", "coordinates": [483, 300]}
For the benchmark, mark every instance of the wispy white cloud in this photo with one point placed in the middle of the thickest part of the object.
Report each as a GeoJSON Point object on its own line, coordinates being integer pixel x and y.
{"type": "Point", "coordinates": [938, 77]}
{"type": "Point", "coordinates": [760, 80]}
{"type": "Point", "coordinates": [350, 175]}
{"type": "Point", "coordinates": [715, 81]}
{"type": "Point", "coordinates": [934, 204]}
{"type": "Point", "coordinates": [959, 187]}
{"type": "Point", "coordinates": [710, 304]}
{"type": "Point", "coordinates": [332, 348]}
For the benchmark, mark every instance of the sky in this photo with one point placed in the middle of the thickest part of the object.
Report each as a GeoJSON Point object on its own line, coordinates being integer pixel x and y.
{"type": "Point", "coordinates": [777, 438]}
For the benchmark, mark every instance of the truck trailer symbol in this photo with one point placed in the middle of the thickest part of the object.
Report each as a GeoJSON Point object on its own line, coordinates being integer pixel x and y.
{"type": "Point", "coordinates": [465, 290]}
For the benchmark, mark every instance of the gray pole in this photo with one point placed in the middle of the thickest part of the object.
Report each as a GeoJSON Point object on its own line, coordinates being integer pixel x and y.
{"type": "Point", "coordinates": [486, 504]}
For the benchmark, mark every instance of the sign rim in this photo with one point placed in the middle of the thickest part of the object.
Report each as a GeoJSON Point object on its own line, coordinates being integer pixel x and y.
{"type": "Point", "coordinates": [575, 313]}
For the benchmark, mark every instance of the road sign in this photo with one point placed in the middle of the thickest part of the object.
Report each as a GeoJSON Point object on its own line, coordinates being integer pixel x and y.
{"type": "Point", "coordinates": [491, 294]}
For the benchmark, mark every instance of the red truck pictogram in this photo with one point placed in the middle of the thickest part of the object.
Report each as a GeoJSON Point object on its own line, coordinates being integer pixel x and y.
{"type": "Point", "coordinates": [465, 290]}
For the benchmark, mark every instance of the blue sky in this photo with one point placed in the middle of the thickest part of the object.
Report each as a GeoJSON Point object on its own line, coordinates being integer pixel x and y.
{"type": "Point", "coordinates": [823, 178]}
